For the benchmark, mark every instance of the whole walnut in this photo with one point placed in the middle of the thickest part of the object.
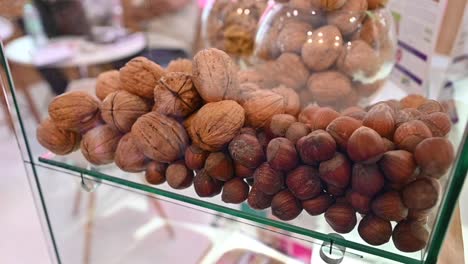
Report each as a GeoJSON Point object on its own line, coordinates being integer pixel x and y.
{"type": "Point", "coordinates": [128, 157]}
{"type": "Point", "coordinates": [349, 17]}
{"type": "Point", "coordinates": [140, 75]}
{"type": "Point", "coordinates": [254, 76]}
{"type": "Point", "coordinates": [214, 73]}
{"type": "Point", "coordinates": [121, 109]}
{"type": "Point", "coordinates": [292, 102]}
{"type": "Point", "coordinates": [216, 124]}
{"type": "Point", "coordinates": [180, 65]}
{"type": "Point", "coordinates": [375, 30]}
{"type": "Point", "coordinates": [107, 83]}
{"type": "Point", "coordinates": [58, 141]}
{"type": "Point", "coordinates": [329, 87]}
{"type": "Point", "coordinates": [290, 71]}
{"type": "Point", "coordinates": [243, 93]}
{"type": "Point", "coordinates": [262, 106]}
{"type": "Point", "coordinates": [322, 48]}
{"type": "Point", "coordinates": [74, 111]}
{"type": "Point", "coordinates": [176, 96]}
{"type": "Point", "coordinates": [160, 138]}
{"type": "Point", "coordinates": [293, 35]}
{"type": "Point", "coordinates": [99, 144]}
{"type": "Point", "coordinates": [358, 58]}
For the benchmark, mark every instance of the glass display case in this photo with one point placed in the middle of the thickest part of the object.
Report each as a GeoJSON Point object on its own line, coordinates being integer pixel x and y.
{"type": "Point", "coordinates": [95, 212]}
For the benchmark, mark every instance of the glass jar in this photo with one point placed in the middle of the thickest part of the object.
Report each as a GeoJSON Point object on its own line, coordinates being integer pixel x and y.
{"type": "Point", "coordinates": [340, 57]}
{"type": "Point", "coordinates": [231, 25]}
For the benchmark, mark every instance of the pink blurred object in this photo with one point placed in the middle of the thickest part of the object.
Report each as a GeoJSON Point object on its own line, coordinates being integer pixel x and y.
{"type": "Point", "coordinates": [202, 3]}
{"type": "Point", "coordinates": [296, 250]}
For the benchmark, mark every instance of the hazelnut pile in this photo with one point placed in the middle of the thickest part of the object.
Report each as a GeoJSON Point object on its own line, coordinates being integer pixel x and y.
{"type": "Point", "coordinates": [337, 53]}
{"type": "Point", "coordinates": [205, 128]}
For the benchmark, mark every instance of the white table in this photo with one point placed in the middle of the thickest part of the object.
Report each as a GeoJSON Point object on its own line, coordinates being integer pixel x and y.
{"type": "Point", "coordinates": [82, 52]}
{"type": "Point", "coordinates": [6, 29]}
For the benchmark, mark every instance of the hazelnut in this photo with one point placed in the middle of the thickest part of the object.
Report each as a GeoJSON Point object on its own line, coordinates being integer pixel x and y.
{"type": "Point", "coordinates": [412, 101]}
{"type": "Point", "coordinates": [358, 115]}
{"type": "Point", "coordinates": [321, 47]}
{"type": "Point", "coordinates": [335, 191]}
{"type": "Point", "coordinates": [368, 89]}
{"type": "Point", "coordinates": [216, 124]}
{"type": "Point", "coordinates": [296, 131]}
{"type": "Point", "coordinates": [281, 154]}
{"type": "Point", "coordinates": [74, 111]}
{"type": "Point", "coordinates": [434, 156]}
{"type": "Point", "coordinates": [307, 114]}
{"type": "Point", "coordinates": [292, 36]}
{"type": "Point", "coordinates": [263, 138]}
{"type": "Point", "coordinates": [128, 157]}
{"type": "Point", "coordinates": [121, 109]}
{"type": "Point", "coordinates": [367, 179]}
{"type": "Point", "coordinates": [358, 58]}
{"type": "Point", "coordinates": [280, 123]}
{"type": "Point", "coordinates": [246, 150]}
{"type": "Point", "coordinates": [410, 236]}
{"type": "Point", "coordinates": [304, 182]}
{"type": "Point", "coordinates": [365, 145]}
{"type": "Point", "coordinates": [159, 137]}
{"type": "Point", "coordinates": [195, 157]}
{"type": "Point", "coordinates": [336, 171]}
{"type": "Point", "coordinates": [317, 205]}
{"type": "Point", "coordinates": [259, 200]}
{"type": "Point", "coordinates": [380, 118]}
{"type": "Point", "coordinates": [235, 191]}
{"type": "Point", "coordinates": [351, 110]}
{"type": "Point", "coordinates": [398, 166]}
{"type": "Point", "coordinates": [242, 172]}
{"type": "Point", "coordinates": [410, 134]}
{"type": "Point", "coordinates": [406, 115]}
{"type": "Point", "coordinates": [374, 230]}
{"type": "Point", "coordinates": [316, 147]}
{"type": "Point", "coordinates": [292, 102]}
{"type": "Point", "coordinates": [156, 173]}
{"type": "Point", "coordinates": [328, 5]}
{"type": "Point", "coordinates": [430, 106]}
{"type": "Point", "coordinates": [262, 106]}
{"type": "Point", "coordinates": [283, 73]}
{"type": "Point", "coordinates": [348, 18]}
{"type": "Point", "coordinates": [341, 217]}
{"type": "Point", "coordinates": [178, 176]}
{"type": "Point", "coordinates": [58, 141]}
{"type": "Point", "coordinates": [390, 207]}
{"type": "Point", "coordinates": [323, 117]}
{"type": "Point", "coordinates": [342, 128]}
{"type": "Point", "coordinates": [328, 87]}
{"type": "Point", "coordinates": [359, 202]}
{"type": "Point", "coordinates": [421, 194]}
{"type": "Point", "coordinates": [285, 206]}
{"type": "Point", "coordinates": [249, 131]}
{"type": "Point", "coordinates": [268, 180]}
{"type": "Point", "coordinates": [219, 166]}
{"type": "Point", "coordinates": [374, 4]}
{"type": "Point", "coordinates": [176, 96]}
{"type": "Point", "coordinates": [206, 186]}
{"type": "Point", "coordinates": [180, 65]}
{"type": "Point", "coordinates": [139, 76]}
{"type": "Point", "coordinates": [107, 83]}
{"type": "Point", "coordinates": [419, 215]}
{"type": "Point", "coordinates": [214, 74]}
{"type": "Point", "coordinates": [439, 123]}
{"type": "Point", "coordinates": [389, 145]}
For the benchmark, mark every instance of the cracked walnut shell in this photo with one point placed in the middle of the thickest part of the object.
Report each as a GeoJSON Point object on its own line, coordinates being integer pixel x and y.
{"type": "Point", "coordinates": [176, 96]}
{"type": "Point", "coordinates": [107, 83]}
{"type": "Point", "coordinates": [121, 109]}
{"type": "Point", "coordinates": [99, 144]}
{"type": "Point", "coordinates": [216, 124]}
{"type": "Point", "coordinates": [140, 75]}
{"type": "Point", "coordinates": [56, 140]}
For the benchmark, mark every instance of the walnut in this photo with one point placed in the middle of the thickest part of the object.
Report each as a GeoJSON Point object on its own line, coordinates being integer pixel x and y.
{"type": "Point", "coordinates": [214, 73]}
{"type": "Point", "coordinates": [180, 65]}
{"type": "Point", "coordinates": [128, 157]}
{"type": "Point", "coordinates": [160, 138]}
{"type": "Point", "coordinates": [58, 141]}
{"type": "Point", "coordinates": [74, 111]}
{"type": "Point", "coordinates": [359, 60]}
{"type": "Point", "coordinates": [349, 17]}
{"type": "Point", "coordinates": [243, 93]}
{"type": "Point", "coordinates": [253, 76]}
{"type": "Point", "coordinates": [140, 75]}
{"type": "Point", "coordinates": [328, 87]}
{"type": "Point", "coordinates": [121, 109]}
{"type": "Point", "coordinates": [367, 90]}
{"type": "Point", "coordinates": [328, 5]}
{"type": "Point", "coordinates": [106, 83]}
{"type": "Point", "coordinates": [374, 4]}
{"type": "Point", "coordinates": [262, 106]}
{"type": "Point", "coordinates": [99, 144]}
{"type": "Point", "coordinates": [238, 40]}
{"type": "Point", "coordinates": [216, 124]}
{"type": "Point", "coordinates": [291, 71]}
{"type": "Point", "coordinates": [176, 96]}
{"type": "Point", "coordinates": [292, 102]}
{"type": "Point", "coordinates": [293, 36]}
{"type": "Point", "coordinates": [375, 30]}
{"type": "Point", "coordinates": [322, 48]}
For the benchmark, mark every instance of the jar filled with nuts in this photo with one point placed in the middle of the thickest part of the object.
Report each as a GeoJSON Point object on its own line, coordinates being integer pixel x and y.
{"type": "Point", "coordinates": [231, 25]}
{"type": "Point", "coordinates": [333, 53]}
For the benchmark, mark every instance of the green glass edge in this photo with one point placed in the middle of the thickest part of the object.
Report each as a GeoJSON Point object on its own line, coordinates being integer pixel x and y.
{"type": "Point", "coordinates": [236, 213]}
{"type": "Point", "coordinates": [449, 202]}
{"type": "Point", "coordinates": [28, 148]}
